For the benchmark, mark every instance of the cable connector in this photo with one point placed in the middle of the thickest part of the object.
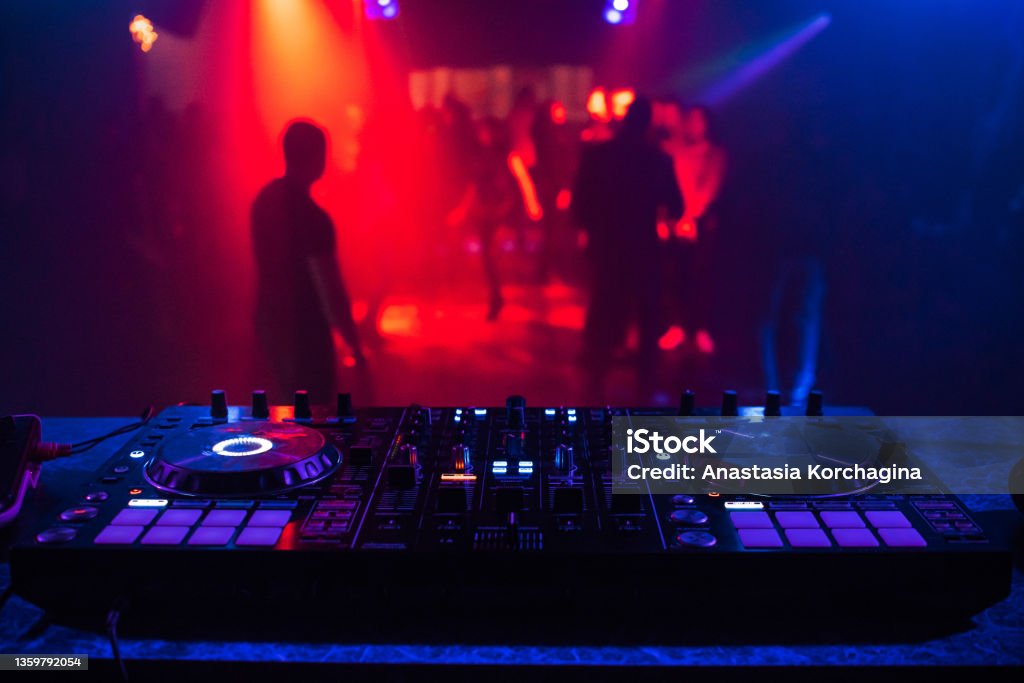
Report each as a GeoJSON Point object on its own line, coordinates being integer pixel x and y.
{"type": "Point", "coordinates": [49, 450]}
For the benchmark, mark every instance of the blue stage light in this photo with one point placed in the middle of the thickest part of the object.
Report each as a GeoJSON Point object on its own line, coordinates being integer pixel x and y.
{"type": "Point", "coordinates": [619, 12]}
{"type": "Point", "coordinates": [376, 10]}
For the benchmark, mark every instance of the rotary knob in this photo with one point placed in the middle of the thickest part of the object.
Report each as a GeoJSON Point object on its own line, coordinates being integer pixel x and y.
{"type": "Point", "coordinates": [772, 404]}
{"type": "Point", "coordinates": [218, 405]}
{"type": "Point", "coordinates": [303, 411]}
{"type": "Point", "coordinates": [345, 405]}
{"type": "Point", "coordinates": [815, 404]}
{"type": "Point", "coordinates": [515, 411]}
{"type": "Point", "coordinates": [260, 409]}
{"type": "Point", "coordinates": [686, 403]}
{"type": "Point", "coordinates": [730, 408]}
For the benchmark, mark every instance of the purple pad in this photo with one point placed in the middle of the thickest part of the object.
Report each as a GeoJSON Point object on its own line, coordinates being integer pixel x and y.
{"type": "Point", "coordinates": [165, 535]}
{"type": "Point", "coordinates": [902, 538]}
{"type": "Point", "coordinates": [118, 535]}
{"type": "Point", "coordinates": [855, 538]}
{"type": "Point", "coordinates": [808, 538]}
{"type": "Point", "coordinates": [888, 519]}
{"type": "Point", "coordinates": [258, 536]}
{"type": "Point", "coordinates": [224, 518]}
{"type": "Point", "coordinates": [751, 520]}
{"type": "Point", "coordinates": [134, 517]}
{"type": "Point", "coordinates": [212, 535]}
{"type": "Point", "coordinates": [270, 518]}
{"type": "Point", "coordinates": [179, 518]}
{"type": "Point", "coordinates": [796, 520]}
{"type": "Point", "coordinates": [838, 519]}
{"type": "Point", "coordinates": [760, 538]}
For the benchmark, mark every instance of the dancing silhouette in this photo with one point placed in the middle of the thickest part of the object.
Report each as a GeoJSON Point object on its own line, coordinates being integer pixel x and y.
{"type": "Point", "coordinates": [623, 187]}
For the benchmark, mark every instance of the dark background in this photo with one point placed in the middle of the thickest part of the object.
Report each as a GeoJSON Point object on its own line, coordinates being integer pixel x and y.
{"type": "Point", "coordinates": [898, 128]}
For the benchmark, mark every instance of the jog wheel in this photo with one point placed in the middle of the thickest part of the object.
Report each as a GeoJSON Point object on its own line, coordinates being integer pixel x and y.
{"type": "Point", "coordinates": [242, 459]}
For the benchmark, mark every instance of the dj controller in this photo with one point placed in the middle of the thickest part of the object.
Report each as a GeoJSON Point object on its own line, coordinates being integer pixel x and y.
{"type": "Point", "coordinates": [462, 513]}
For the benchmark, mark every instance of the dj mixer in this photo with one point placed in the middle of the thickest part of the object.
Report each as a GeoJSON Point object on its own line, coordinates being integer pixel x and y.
{"type": "Point", "coordinates": [471, 510]}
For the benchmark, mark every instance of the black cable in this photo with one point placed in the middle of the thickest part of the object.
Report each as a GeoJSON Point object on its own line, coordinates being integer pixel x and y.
{"type": "Point", "coordinates": [113, 616]}
{"type": "Point", "coordinates": [83, 446]}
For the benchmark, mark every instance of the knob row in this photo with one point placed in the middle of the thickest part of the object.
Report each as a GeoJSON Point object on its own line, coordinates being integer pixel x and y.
{"type": "Point", "coordinates": [261, 408]}
{"type": "Point", "coordinates": [730, 405]}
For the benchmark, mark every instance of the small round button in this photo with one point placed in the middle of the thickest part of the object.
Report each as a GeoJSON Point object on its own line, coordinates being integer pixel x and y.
{"type": "Point", "coordinates": [57, 534]}
{"type": "Point", "coordinates": [96, 496]}
{"type": "Point", "coordinates": [688, 516]}
{"type": "Point", "coordinates": [121, 469]}
{"type": "Point", "coordinates": [696, 539]}
{"type": "Point", "coordinates": [79, 514]}
{"type": "Point", "coordinates": [682, 499]}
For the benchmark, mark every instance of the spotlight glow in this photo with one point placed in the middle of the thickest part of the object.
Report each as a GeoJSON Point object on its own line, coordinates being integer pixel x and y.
{"type": "Point", "coordinates": [757, 64]}
{"type": "Point", "coordinates": [621, 99]}
{"type": "Point", "coordinates": [380, 9]}
{"type": "Point", "coordinates": [142, 32]}
{"type": "Point", "coordinates": [597, 105]}
{"type": "Point", "coordinates": [620, 12]}
{"type": "Point", "coordinates": [558, 113]}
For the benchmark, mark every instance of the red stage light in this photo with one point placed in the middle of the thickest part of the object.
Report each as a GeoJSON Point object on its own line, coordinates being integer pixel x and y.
{"type": "Point", "coordinates": [558, 113]}
{"type": "Point", "coordinates": [563, 200]}
{"type": "Point", "coordinates": [705, 344]}
{"type": "Point", "coordinates": [672, 339]}
{"type": "Point", "coordinates": [142, 32]}
{"type": "Point", "coordinates": [621, 99]}
{"type": "Point", "coordinates": [597, 105]}
{"type": "Point", "coordinates": [686, 229]}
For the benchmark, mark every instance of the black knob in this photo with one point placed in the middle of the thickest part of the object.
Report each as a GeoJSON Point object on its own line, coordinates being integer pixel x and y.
{"type": "Point", "coordinates": [815, 404]}
{"type": "Point", "coordinates": [686, 403]}
{"type": "Point", "coordinates": [515, 410]}
{"type": "Point", "coordinates": [772, 403]}
{"type": "Point", "coordinates": [422, 418]}
{"type": "Point", "coordinates": [729, 406]}
{"type": "Point", "coordinates": [260, 409]}
{"type": "Point", "coordinates": [345, 405]}
{"type": "Point", "coordinates": [218, 404]}
{"type": "Point", "coordinates": [302, 409]}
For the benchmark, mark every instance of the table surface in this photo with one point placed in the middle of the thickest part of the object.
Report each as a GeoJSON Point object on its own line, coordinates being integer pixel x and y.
{"type": "Point", "coordinates": [994, 637]}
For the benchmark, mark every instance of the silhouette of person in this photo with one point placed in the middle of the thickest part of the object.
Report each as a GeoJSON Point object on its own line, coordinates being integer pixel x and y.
{"type": "Point", "coordinates": [700, 166]}
{"type": "Point", "coordinates": [622, 188]}
{"type": "Point", "coordinates": [301, 297]}
{"type": "Point", "coordinates": [488, 202]}
{"type": "Point", "coordinates": [557, 144]}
